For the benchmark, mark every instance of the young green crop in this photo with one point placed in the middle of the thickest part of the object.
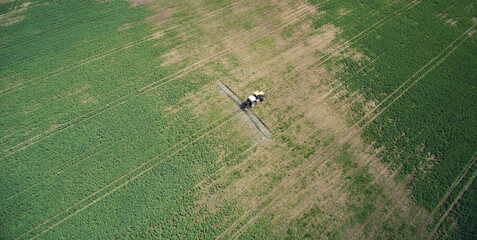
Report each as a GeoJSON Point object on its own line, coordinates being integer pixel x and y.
{"type": "Point", "coordinates": [108, 159]}
{"type": "Point", "coordinates": [431, 130]}
{"type": "Point", "coordinates": [101, 147]}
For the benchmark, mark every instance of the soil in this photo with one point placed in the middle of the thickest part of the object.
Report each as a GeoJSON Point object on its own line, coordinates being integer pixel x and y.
{"type": "Point", "coordinates": [6, 1]}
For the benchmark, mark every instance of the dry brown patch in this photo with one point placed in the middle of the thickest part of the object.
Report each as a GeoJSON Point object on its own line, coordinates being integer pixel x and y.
{"type": "Point", "coordinates": [301, 109]}
{"type": "Point", "coordinates": [12, 17]}
{"type": "Point", "coordinates": [6, 1]}
{"type": "Point", "coordinates": [163, 16]}
{"type": "Point", "coordinates": [451, 21]}
{"type": "Point", "coordinates": [326, 188]}
{"type": "Point", "coordinates": [305, 93]}
{"type": "Point", "coordinates": [125, 26]}
{"type": "Point", "coordinates": [87, 98]}
{"type": "Point", "coordinates": [172, 57]}
{"type": "Point", "coordinates": [302, 94]}
{"type": "Point", "coordinates": [308, 94]}
{"type": "Point", "coordinates": [79, 90]}
{"type": "Point", "coordinates": [11, 20]}
{"type": "Point", "coordinates": [355, 55]}
{"type": "Point", "coordinates": [472, 33]}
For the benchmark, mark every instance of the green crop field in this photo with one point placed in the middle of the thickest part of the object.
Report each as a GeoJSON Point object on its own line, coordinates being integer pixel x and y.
{"type": "Point", "coordinates": [429, 134]}
{"type": "Point", "coordinates": [113, 125]}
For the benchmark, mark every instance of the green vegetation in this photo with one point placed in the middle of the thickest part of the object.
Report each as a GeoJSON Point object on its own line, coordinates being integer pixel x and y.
{"type": "Point", "coordinates": [465, 216]}
{"type": "Point", "coordinates": [364, 197]}
{"type": "Point", "coordinates": [360, 203]}
{"type": "Point", "coordinates": [110, 131]}
{"type": "Point", "coordinates": [85, 144]}
{"type": "Point", "coordinates": [431, 130]}
{"type": "Point", "coordinates": [460, 221]}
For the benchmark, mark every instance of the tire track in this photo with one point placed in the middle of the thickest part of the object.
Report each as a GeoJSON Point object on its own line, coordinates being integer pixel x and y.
{"type": "Point", "coordinates": [430, 217]}
{"type": "Point", "coordinates": [145, 89]}
{"type": "Point", "coordinates": [461, 193]}
{"type": "Point", "coordinates": [345, 139]}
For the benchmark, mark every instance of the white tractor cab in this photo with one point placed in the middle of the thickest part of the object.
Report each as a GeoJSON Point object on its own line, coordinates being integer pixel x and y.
{"type": "Point", "coordinates": [252, 100]}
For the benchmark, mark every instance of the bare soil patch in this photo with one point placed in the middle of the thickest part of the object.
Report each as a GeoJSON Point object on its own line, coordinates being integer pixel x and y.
{"type": "Point", "coordinates": [12, 17]}
{"type": "Point", "coordinates": [162, 16]}
{"type": "Point", "coordinates": [172, 57]}
{"type": "Point", "coordinates": [125, 26]}
{"type": "Point", "coordinates": [6, 1]}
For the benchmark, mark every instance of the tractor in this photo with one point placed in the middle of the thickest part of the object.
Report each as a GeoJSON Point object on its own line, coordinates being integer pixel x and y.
{"type": "Point", "coordinates": [252, 100]}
